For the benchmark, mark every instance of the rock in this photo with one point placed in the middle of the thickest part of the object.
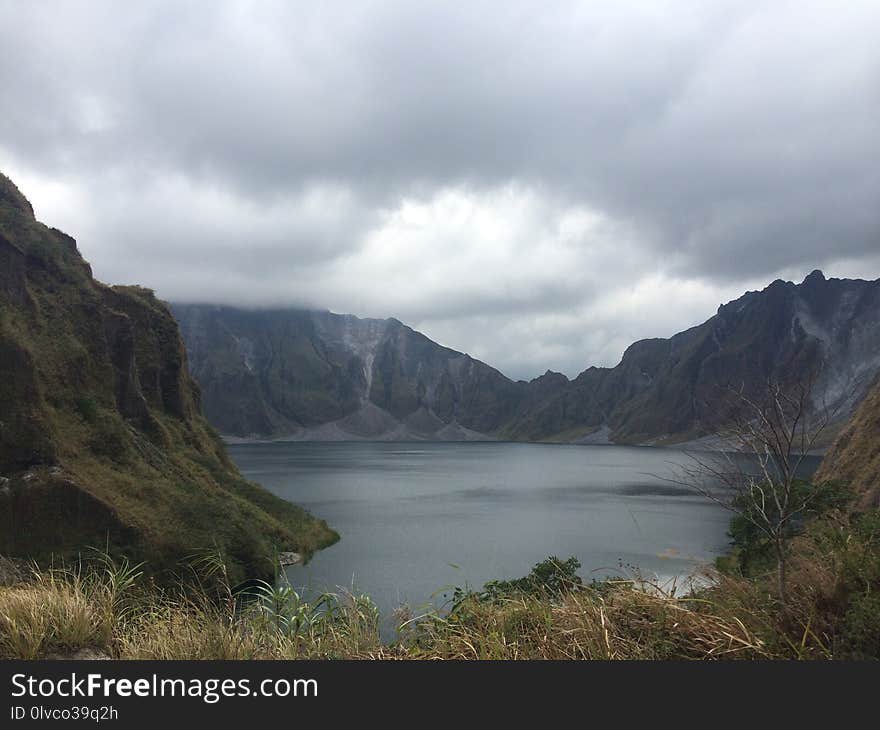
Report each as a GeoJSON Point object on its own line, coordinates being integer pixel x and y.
{"type": "Point", "coordinates": [321, 376]}
{"type": "Point", "coordinates": [120, 336]}
{"type": "Point", "coordinates": [95, 380]}
{"type": "Point", "coordinates": [289, 558]}
{"type": "Point", "coordinates": [281, 373]}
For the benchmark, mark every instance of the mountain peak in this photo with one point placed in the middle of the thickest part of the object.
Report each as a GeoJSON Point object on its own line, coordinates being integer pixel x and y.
{"type": "Point", "coordinates": [11, 195]}
{"type": "Point", "coordinates": [815, 276]}
{"type": "Point", "coordinates": [551, 376]}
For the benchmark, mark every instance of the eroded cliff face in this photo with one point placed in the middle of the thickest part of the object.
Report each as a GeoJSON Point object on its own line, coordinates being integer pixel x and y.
{"type": "Point", "coordinates": [317, 375]}
{"type": "Point", "coordinates": [101, 435]}
{"type": "Point", "coordinates": [854, 459]}
{"type": "Point", "coordinates": [669, 390]}
{"type": "Point", "coordinates": [326, 376]}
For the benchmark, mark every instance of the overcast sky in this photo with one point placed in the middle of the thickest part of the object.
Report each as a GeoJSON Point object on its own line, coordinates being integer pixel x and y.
{"type": "Point", "coordinates": [538, 184]}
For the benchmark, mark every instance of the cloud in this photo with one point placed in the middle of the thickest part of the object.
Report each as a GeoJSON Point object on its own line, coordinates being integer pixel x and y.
{"type": "Point", "coordinates": [538, 184]}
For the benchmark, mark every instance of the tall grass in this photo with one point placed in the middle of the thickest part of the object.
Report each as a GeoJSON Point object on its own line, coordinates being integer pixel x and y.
{"type": "Point", "coordinates": [110, 608]}
{"type": "Point", "coordinates": [61, 610]}
{"type": "Point", "coordinates": [106, 608]}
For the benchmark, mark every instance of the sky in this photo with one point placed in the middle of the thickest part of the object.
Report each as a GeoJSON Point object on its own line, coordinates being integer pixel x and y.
{"type": "Point", "coordinates": [537, 184]}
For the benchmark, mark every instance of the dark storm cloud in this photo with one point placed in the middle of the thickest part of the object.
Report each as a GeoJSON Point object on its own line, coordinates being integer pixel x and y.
{"type": "Point", "coordinates": [524, 180]}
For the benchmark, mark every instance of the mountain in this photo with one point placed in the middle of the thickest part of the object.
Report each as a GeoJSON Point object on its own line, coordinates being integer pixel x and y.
{"type": "Point", "coordinates": [327, 376]}
{"type": "Point", "coordinates": [323, 376]}
{"type": "Point", "coordinates": [667, 390]}
{"type": "Point", "coordinates": [102, 441]}
{"type": "Point", "coordinates": [854, 458]}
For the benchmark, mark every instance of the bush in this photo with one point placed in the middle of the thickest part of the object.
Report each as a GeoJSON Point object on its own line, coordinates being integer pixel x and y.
{"type": "Point", "coordinates": [861, 627]}
{"type": "Point", "coordinates": [110, 437]}
{"type": "Point", "coordinates": [87, 409]}
{"type": "Point", "coordinates": [550, 577]}
{"type": "Point", "coordinates": [752, 552]}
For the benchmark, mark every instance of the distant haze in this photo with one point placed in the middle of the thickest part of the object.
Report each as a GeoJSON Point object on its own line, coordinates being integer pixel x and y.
{"type": "Point", "coordinates": [538, 184]}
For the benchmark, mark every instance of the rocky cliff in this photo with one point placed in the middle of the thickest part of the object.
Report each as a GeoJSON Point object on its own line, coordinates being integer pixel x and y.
{"type": "Point", "coordinates": [317, 375]}
{"type": "Point", "coordinates": [102, 441]}
{"type": "Point", "coordinates": [667, 390]}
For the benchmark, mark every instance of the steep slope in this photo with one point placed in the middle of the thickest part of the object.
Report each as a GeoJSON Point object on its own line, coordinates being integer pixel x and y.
{"type": "Point", "coordinates": [102, 442]}
{"type": "Point", "coordinates": [854, 459]}
{"type": "Point", "coordinates": [667, 390]}
{"type": "Point", "coordinates": [317, 375]}
{"type": "Point", "coordinates": [328, 376]}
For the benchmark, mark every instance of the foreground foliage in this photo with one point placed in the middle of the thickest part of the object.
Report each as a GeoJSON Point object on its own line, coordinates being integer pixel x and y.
{"type": "Point", "coordinates": [107, 608]}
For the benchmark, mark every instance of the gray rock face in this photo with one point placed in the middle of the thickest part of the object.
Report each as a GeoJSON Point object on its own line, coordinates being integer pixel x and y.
{"type": "Point", "coordinates": [322, 376]}
{"type": "Point", "coordinates": [325, 376]}
{"type": "Point", "coordinates": [667, 390]}
{"type": "Point", "coordinates": [289, 558]}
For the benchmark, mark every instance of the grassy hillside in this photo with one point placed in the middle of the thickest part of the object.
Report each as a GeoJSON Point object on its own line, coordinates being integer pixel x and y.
{"type": "Point", "coordinates": [102, 441]}
{"type": "Point", "coordinates": [854, 458]}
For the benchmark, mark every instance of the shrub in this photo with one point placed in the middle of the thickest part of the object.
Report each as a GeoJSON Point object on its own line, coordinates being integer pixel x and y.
{"type": "Point", "coordinates": [550, 577]}
{"type": "Point", "coordinates": [87, 409]}
{"type": "Point", "coordinates": [110, 437]}
{"type": "Point", "coordinates": [861, 627]}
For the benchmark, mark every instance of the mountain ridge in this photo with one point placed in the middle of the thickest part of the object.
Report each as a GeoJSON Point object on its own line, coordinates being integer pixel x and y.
{"type": "Point", "coordinates": [290, 362]}
{"type": "Point", "coordinates": [102, 441]}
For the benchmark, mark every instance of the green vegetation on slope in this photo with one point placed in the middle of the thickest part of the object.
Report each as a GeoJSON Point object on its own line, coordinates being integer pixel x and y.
{"type": "Point", "coordinates": [102, 442]}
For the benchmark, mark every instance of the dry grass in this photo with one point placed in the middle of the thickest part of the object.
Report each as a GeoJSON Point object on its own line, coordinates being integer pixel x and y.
{"type": "Point", "coordinates": [623, 621]}
{"type": "Point", "coordinates": [111, 609]}
{"type": "Point", "coordinates": [60, 612]}
{"type": "Point", "coordinates": [207, 632]}
{"type": "Point", "coordinates": [53, 612]}
{"type": "Point", "coordinates": [107, 609]}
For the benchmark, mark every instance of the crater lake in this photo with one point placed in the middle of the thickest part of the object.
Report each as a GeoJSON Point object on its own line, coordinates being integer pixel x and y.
{"type": "Point", "coordinates": [416, 519]}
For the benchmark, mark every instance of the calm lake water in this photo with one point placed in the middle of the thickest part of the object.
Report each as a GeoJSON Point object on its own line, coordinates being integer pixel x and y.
{"type": "Point", "coordinates": [418, 518]}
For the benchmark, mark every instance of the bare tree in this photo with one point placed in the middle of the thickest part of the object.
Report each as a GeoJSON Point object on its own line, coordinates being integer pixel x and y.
{"type": "Point", "coordinates": [766, 433]}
